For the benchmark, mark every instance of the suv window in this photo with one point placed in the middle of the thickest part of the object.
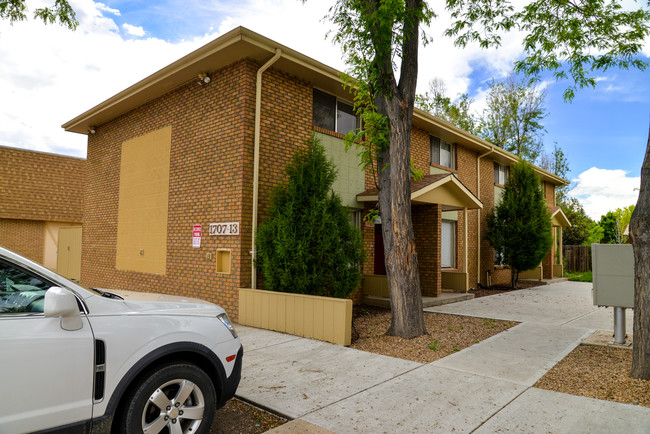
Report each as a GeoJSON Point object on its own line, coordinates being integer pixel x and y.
{"type": "Point", "coordinates": [20, 291]}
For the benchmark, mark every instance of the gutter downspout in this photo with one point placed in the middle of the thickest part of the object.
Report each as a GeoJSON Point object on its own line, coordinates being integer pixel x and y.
{"type": "Point", "coordinates": [478, 220]}
{"type": "Point", "coordinates": [256, 159]}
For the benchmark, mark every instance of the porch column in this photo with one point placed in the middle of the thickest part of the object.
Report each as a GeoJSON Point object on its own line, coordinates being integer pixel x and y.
{"type": "Point", "coordinates": [561, 250]}
{"type": "Point", "coordinates": [465, 261]}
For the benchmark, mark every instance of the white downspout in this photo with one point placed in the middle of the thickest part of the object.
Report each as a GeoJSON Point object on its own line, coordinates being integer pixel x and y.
{"type": "Point", "coordinates": [256, 159]}
{"type": "Point", "coordinates": [478, 220]}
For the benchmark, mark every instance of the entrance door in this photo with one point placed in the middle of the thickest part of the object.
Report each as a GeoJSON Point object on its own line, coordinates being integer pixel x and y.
{"type": "Point", "coordinates": [380, 262]}
{"type": "Point", "coordinates": [69, 253]}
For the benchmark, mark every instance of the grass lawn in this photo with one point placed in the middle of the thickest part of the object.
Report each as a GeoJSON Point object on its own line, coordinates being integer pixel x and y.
{"type": "Point", "coordinates": [579, 276]}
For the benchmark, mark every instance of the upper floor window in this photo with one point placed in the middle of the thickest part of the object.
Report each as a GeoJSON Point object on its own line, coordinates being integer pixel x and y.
{"type": "Point", "coordinates": [501, 173]}
{"type": "Point", "coordinates": [333, 114]}
{"type": "Point", "coordinates": [442, 153]}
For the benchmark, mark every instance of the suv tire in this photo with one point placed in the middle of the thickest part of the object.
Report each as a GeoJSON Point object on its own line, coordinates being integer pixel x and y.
{"type": "Point", "coordinates": [174, 398]}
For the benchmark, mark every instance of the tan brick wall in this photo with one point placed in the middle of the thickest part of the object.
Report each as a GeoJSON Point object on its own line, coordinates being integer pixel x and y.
{"type": "Point", "coordinates": [427, 230]}
{"type": "Point", "coordinates": [466, 160]}
{"type": "Point", "coordinates": [24, 237]}
{"type": "Point", "coordinates": [211, 178]}
{"type": "Point", "coordinates": [211, 127]}
{"type": "Point", "coordinates": [40, 186]}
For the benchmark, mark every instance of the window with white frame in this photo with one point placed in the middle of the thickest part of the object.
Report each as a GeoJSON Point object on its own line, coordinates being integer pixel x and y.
{"type": "Point", "coordinates": [448, 244]}
{"type": "Point", "coordinates": [443, 153]}
{"type": "Point", "coordinates": [333, 114]}
{"type": "Point", "coordinates": [501, 173]}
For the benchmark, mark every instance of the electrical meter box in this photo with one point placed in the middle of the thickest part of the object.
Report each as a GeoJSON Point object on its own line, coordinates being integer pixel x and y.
{"type": "Point", "coordinates": [612, 266]}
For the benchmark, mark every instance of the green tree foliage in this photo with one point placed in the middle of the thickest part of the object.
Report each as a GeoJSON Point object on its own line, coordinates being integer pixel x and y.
{"type": "Point", "coordinates": [583, 230]}
{"type": "Point", "coordinates": [623, 217]}
{"type": "Point", "coordinates": [513, 118]}
{"type": "Point", "coordinates": [61, 12]}
{"type": "Point", "coordinates": [380, 36]}
{"type": "Point", "coordinates": [614, 223]}
{"type": "Point", "coordinates": [610, 227]}
{"type": "Point", "coordinates": [519, 227]}
{"type": "Point", "coordinates": [557, 164]}
{"type": "Point", "coordinates": [572, 40]}
{"type": "Point", "coordinates": [308, 244]}
{"type": "Point", "coordinates": [457, 112]}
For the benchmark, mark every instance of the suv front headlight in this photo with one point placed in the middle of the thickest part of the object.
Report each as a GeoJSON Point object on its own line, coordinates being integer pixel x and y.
{"type": "Point", "coordinates": [223, 317]}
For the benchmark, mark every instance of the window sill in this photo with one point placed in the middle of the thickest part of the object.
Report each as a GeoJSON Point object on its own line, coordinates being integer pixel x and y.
{"type": "Point", "coordinates": [499, 185]}
{"type": "Point", "coordinates": [328, 132]}
{"type": "Point", "coordinates": [448, 169]}
{"type": "Point", "coordinates": [502, 267]}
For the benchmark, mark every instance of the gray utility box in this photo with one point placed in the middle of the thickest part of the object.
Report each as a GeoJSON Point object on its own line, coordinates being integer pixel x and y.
{"type": "Point", "coordinates": [613, 274]}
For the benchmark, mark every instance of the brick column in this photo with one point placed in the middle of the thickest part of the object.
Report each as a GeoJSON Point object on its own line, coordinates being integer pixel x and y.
{"type": "Point", "coordinates": [426, 227]}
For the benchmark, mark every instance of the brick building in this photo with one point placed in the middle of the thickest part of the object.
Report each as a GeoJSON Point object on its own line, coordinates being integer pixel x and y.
{"type": "Point", "coordinates": [204, 140]}
{"type": "Point", "coordinates": [41, 196]}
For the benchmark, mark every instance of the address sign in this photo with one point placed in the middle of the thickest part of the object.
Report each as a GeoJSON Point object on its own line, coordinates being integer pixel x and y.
{"type": "Point", "coordinates": [231, 228]}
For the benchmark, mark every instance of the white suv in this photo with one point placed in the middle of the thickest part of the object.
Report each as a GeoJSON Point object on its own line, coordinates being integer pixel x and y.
{"type": "Point", "coordinates": [80, 360]}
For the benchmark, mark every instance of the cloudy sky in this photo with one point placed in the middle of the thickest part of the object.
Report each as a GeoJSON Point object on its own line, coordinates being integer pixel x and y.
{"type": "Point", "coordinates": [48, 75]}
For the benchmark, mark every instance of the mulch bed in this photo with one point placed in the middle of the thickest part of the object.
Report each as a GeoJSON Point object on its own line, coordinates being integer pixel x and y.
{"type": "Point", "coordinates": [499, 289]}
{"type": "Point", "coordinates": [447, 334]}
{"type": "Point", "coordinates": [600, 373]}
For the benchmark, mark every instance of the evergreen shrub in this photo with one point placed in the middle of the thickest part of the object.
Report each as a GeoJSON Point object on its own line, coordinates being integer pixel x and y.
{"type": "Point", "coordinates": [308, 244]}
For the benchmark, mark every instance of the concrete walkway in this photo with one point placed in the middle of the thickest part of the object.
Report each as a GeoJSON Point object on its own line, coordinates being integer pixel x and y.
{"type": "Point", "coordinates": [485, 388]}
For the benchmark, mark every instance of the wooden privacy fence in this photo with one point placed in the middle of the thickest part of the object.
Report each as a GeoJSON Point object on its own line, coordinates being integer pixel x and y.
{"type": "Point", "coordinates": [577, 258]}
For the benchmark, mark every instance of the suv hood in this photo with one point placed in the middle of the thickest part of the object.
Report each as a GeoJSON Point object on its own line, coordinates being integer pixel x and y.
{"type": "Point", "coordinates": [152, 303]}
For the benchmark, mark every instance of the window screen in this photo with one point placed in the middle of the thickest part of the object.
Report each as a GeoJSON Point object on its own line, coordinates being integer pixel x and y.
{"type": "Point", "coordinates": [324, 110]}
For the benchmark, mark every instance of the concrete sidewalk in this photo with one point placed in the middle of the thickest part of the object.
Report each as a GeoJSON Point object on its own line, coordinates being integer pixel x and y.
{"type": "Point", "coordinates": [484, 388]}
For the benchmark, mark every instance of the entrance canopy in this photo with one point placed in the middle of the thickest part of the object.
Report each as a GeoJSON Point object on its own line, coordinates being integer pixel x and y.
{"type": "Point", "coordinates": [558, 218]}
{"type": "Point", "coordinates": [444, 189]}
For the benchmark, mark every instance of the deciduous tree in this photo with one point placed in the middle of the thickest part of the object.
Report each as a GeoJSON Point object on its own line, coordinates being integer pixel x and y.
{"type": "Point", "coordinates": [583, 230]}
{"type": "Point", "coordinates": [61, 12]}
{"type": "Point", "coordinates": [572, 40]}
{"type": "Point", "coordinates": [557, 164]}
{"type": "Point", "coordinates": [457, 112]}
{"type": "Point", "coordinates": [513, 118]}
{"type": "Point", "coordinates": [640, 235]}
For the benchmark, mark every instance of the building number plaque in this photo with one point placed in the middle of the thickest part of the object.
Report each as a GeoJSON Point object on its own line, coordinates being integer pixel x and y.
{"type": "Point", "coordinates": [231, 228]}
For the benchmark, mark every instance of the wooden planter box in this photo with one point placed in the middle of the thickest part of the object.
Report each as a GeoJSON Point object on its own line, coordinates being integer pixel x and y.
{"type": "Point", "coordinates": [323, 318]}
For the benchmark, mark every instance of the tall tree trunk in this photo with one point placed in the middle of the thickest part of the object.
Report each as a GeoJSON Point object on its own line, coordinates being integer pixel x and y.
{"type": "Point", "coordinates": [640, 235]}
{"type": "Point", "coordinates": [407, 319]}
{"type": "Point", "coordinates": [396, 102]}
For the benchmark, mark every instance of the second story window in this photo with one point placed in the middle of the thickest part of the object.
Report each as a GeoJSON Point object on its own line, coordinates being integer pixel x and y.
{"type": "Point", "coordinates": [442, 153]}
{"type": "Point", "coordinates": [501, 173]}
{"type": "Point", "coordinates": [333, 114]}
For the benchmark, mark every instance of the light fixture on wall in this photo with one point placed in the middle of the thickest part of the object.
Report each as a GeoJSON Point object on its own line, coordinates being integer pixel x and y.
{"type": "Point", "coordinates": [91, 130]}
{"type": "Point", "coordinates": [203, 79]}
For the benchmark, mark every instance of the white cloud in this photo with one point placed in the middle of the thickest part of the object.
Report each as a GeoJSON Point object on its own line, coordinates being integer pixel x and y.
{"type": "Point", "coordinates": [49, 75]}
{"type": "Point", "coordinates": [104, 8]}
{"type": "Point", "coordinates": [602, 190]}
{"type": "Point", "coordinates": [133, 30]}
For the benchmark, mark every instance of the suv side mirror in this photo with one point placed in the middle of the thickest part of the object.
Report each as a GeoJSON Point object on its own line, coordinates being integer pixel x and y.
{"type": "Point", "coordinates": [60, 302]}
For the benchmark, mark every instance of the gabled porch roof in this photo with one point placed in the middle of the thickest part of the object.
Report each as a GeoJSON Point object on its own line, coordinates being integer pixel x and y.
{"type": "Point", "coordinates": [558, 218]}
{"type": "Point", "coordinates": [443, 189]}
